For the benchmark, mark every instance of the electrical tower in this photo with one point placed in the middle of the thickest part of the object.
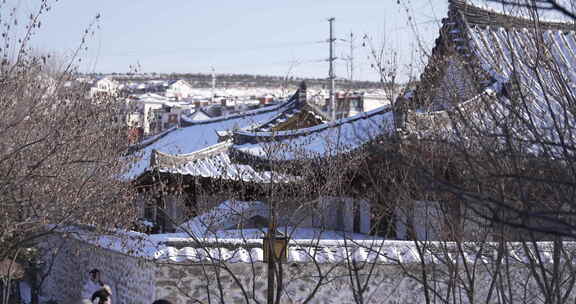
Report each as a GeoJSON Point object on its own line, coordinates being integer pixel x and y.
{"type": "Point", "coordinates": [331, 76]}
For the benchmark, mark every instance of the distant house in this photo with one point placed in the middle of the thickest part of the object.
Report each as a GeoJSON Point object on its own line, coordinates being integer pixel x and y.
{"type": "Point", "coordinates": [169, 116]}
{"type": "Point", "coordinates": [156, 113]}
{"type": "Point", "coordinates": [180, 89]}
{"type": "Point", "coordinates": [199, 115]}
{"type": "Point", "coordinates": [106, 85]}
{"type": "Point", "coordinates": [159, 117]}
{"type": "Point", "coordinates": [347, 103]}
{"type": "Point", "coordinates": [266, 99]}
{"type": "Point", "coordinates": [150, 121]}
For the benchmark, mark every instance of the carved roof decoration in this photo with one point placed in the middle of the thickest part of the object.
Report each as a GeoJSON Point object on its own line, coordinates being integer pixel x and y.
{"type": "Point", "coordinates": [470, 35]}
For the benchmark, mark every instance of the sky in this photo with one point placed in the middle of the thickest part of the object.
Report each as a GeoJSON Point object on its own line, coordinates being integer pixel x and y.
{"type": "Point", "coordinates": [252, 36]}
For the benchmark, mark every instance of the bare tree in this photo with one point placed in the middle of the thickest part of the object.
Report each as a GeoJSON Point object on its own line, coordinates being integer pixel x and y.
{"type": "Point", "coordinates": [60, 155]}
{"type": "Point", "coordinates": [491, 145]}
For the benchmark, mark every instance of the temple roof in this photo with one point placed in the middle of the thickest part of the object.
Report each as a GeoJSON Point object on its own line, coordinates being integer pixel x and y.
{"type": "Point", "coordinates": [486, 61]}
{"type": "Point", "coordinates": [215, 162]}
{"type": "Point", "coordinates": [201, 134]}
{"type": "Point", "coordinates": [490, 47]}
{"type": "Point", "coordinates": [324, 140]}
{"type": "Point", "coordinates": [511, 16]}
{"type": "Point", "coordinates": [239, 157]}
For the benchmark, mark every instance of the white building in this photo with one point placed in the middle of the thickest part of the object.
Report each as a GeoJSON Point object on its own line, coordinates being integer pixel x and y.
{"type": "Point", "coordinates": [180, 89]}
{"type": "Point", "coordinates": [106, 85]}
{"type": "Point", "coordinates": [198, 115]}
{"type": "Point", "coordinates": [159, 113]}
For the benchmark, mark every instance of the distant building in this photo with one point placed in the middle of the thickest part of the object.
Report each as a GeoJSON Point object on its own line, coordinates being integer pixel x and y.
{"type": "Point", "coordinates": [347, 103]}
{"type": "Point", "coordinates": [106, 85]}
{"type": "Point", "coordinates": [180, 89]}
{"type": "Point", "coordinates": [199, 115]}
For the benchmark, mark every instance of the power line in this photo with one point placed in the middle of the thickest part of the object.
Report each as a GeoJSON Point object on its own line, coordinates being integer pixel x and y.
{"type": "Point", "coordinates": [260, 64]}
{"type": "Point", "coordinates": [219, 49]}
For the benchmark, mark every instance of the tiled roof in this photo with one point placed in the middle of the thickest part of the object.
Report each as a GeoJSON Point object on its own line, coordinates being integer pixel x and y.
{"type": "Point", "coordinates": [512, 17]}
{"type": "Point", "coordinates": [213, 162]}
{"type": "Point", "coordinates": [237, 159]}
{"type": "Point", "coordinates": [201, 134]}
{"type": "Point", "coordinates": [165, 248]}
{"type": "Point", "coordinates": [324, 140]}
{"type": "Point", "coordinates": [510, 59]}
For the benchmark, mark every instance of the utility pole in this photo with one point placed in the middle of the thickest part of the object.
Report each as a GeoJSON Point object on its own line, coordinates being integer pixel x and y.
{"type": "Point", "coordinates": [213, 84]}
{"type": "Point", "coordinates": [331, 71]}
{"type": "Point", "coordinates": [271, 233]}
{"type": "Point", "coordinates": [351, 57]}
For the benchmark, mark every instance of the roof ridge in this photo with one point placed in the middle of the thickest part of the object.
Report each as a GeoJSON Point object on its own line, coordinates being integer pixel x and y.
{"type": "Point", "coordinates": [258, 111]}
{"type": "Point", "coordinates": [161, 159]}
{"type": "Point", "coordinates": [241, 136]}
{"type": "Point", "coordinates": [485, 16]}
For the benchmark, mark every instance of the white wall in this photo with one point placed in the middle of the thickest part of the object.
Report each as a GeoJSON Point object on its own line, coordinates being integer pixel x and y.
{"type": "Point", "coordinates": [180, 89]}
{"type": "Point", "coordinates": [337, 213]}
{"type": "Point", "coordinates": [148, 107]}
{"type": "Point", "coordinates": [425, 218]}
{"type": "Point", "coordinates": [387, 283]}
{"type": "Point", "coordinates": [131, 279]}
{"type": "Point", "coordinates": [139, 281]}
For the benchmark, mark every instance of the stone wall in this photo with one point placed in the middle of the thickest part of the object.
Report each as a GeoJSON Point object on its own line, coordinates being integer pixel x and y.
{"type": "Point", "coordinates": [130, 278]}
{"type": "Point", "coordinates": [187, 284]}
{"type": "Point", "coordinates": [196, 283]}
{"type": "Point", "coordinates": [196, 280]}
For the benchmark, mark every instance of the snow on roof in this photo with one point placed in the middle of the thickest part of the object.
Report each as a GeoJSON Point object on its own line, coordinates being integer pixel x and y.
{"type": "Point", "coordinates": [322, 140]}
{"type": "Point", "coordinates": [127, 242]}
{"type": "Point", "coordinates": [198, 115]}
{"type": "Point", "coordinates": [214, 162]}
{"type": "Point", "coordinates": [314, 246]}
{"type": "Point", "coordinates": [512, 53]}
{"type": "Point", "coordinates": [509, 51]}
{"type": "Point", "coordinates": [296, 107]}
{"type": "Point", "coordinates": [200, 135]}
{"type": "Point", "coordinates": [224, 215]}
{"type": "Point", "coordinates": [182, 82]}
{"type": "Point", "coordinates": [151, 139]}
{"type": "Point", "coordinates": [281, 107]}
{"type": "Point", "coordinates": [514, 10]}
{"type": "Point", "coordinates": [152, 96]}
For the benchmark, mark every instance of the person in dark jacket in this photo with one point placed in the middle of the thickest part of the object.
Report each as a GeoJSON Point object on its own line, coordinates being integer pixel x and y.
{"type": "Point", "coordinates": [102, 295]}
